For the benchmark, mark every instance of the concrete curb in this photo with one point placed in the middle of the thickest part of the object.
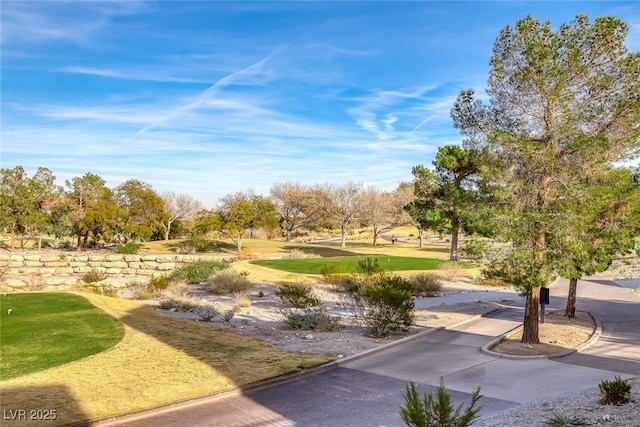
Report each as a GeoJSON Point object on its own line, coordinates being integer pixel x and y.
{"type": "Point", "coordinates": [592, 340]}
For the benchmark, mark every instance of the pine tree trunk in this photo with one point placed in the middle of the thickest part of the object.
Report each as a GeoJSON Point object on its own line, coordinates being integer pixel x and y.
{"type": "Point", "coordinates": [420, 238]}
{"type": "Point", "coordinates": [13, 238]}
{"type": "Point", "coordinates": [570, 310]}
{"type": "Point", "coordinates": [453, 255]}
{"type": "Point", "coordinates": [530, 328]}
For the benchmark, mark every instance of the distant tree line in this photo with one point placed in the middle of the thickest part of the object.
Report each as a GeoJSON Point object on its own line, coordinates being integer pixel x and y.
{"type": "Point", "coordinates": [92, 213]}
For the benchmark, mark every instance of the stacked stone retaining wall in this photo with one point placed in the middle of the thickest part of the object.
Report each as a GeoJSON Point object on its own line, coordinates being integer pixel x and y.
{"type": "Point", "coordinates": [66, 268]}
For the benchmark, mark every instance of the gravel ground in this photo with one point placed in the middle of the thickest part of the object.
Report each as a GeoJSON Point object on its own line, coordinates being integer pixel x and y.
{"type": "Point", "coordinates": [583, 405]}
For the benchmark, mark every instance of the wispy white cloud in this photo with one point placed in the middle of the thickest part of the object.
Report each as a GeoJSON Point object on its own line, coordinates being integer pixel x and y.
{"type": "Point", "coordinates": [46, 22]}
{"type": "Point", "coordinates": [250, 75]}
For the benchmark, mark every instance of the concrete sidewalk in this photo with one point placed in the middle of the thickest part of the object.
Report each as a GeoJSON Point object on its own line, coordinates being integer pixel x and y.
{"type": "Point", "coordinates": [367, 391]}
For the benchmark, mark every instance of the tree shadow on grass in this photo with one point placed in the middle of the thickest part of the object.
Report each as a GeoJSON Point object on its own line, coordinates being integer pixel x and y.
{"type": "Point", "coordinates": [324, 251]}
{"type": "Point", "coordinates": [22, 406]}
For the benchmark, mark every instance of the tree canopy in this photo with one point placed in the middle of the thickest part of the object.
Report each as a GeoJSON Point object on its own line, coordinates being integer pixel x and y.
{"type": "Point", "coordinates": [564, 105]}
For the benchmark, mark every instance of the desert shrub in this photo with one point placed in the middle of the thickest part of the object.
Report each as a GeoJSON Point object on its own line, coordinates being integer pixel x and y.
{"type": "Point", "coordinates": [426, 284]}
{"type": "Point", "coordinates": [106, 290]}
{"type": "Point", "coordinates": [242, 299]}
{"type": "Point", "coordinates": [368, 267]}
{"type": "Point", "coordinates": [490, 281]}
{"type": "Point", "coordinates": [615, 392]}
{"type": "Point", "coordinates": [438, 411]}
{"type": "Point", "coordinates": [183, 305]}
{"type": "Point", "coordinates": [129, 248]}
{"type": "Point", "coordinates": [385, 305]}
{"type": "Point", "coordinates": [206, 313]}
{"type": "Point", "coordinates": [93, 276]}
{"type": "Point", "coordinates": [297, 295]}
{"type": "Point", "coordinates": [228, 281]}
{"type": "Point", "coordinates": [228, 315]}
{"type": "Point", "coordinates": [154, 288]}
{"type": "Point", "coordinates": [144, 294]}
{"type": "Point", "coordinates": [197, 271]}
{"type": "Point", "coordinates": [316, 318]}
{"type": "Point", "coordinates": [159, 283]}
{"type": "Point", "coordinates": [559, 419]}
{"type": "Point", "coordinates": [452, 270]}
{"type": "Point", "coordinates": [35, 283]}
{"type": "Point", "coordinates": [177, 289]}
{"type": "Point", "coordinates": [335, 274]}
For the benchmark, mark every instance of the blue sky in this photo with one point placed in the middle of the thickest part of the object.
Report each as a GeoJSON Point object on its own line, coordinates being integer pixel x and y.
{"type": "Point", "coordinates": [210, 98]}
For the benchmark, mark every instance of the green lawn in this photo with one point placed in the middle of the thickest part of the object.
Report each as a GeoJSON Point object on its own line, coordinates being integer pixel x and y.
{"type": "Point", "coordinates": [50, 329]}
{"type": "Point", "coordinates": [388, 263]}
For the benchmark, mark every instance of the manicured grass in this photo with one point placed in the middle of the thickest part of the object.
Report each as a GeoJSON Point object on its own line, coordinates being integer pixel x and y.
{"type": "Point", "coordinates": [160, 360]}
{"type": "Point", "coordinates": [388, 263]}
{"type": "Point", "coordinates": [49, 329]}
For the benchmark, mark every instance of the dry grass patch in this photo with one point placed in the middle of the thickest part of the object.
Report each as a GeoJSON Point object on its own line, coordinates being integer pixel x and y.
{"type": "Point", "coordinates": [160, 360]}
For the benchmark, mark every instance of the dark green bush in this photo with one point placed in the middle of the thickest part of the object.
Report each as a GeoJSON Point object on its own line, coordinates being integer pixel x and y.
{"type": "Point", "coordinates": [129, 248]}
{"type": "Point", "coordinates": [297, 295]}
{"type": "Point", "coordinates": [316, 318]}
{"type": "Point", "coordinates": [616, 392]}
{"type": "Point", "coordinates": [385, 305]}
{"type": "Point", "coordinates": [438, 412]}
{"type": "Point", "coordinates": [198, 271]}
{"type": "Point", "coordinates": [426, 284]}
{"type": "Point", "coordinates": [369, 267]}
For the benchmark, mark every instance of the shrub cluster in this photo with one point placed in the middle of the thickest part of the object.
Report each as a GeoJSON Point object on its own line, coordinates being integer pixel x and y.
{"type": "Point", "coordinates": [438, 411]}
{"type": "Point", "coordinates": [104, 290]}
{"type": "Point", "coordinates": [297, 295]}
{"type": "Point", "coordinates": [615, 392]}
{"type": "Point", "coordinates": [129, 248]}
{"type": "Point", "coordinates": [425, 284]}
{"type": "Point", "coordinates": [242, 299]}
{"type": "Point", "coordinates": [452, 270]}
{"type": "Point", "coordinates": [312, 318]}
{"type": "Point", "coordinates": [206, 313]}
{"type": "Point", "coordinates": [369, 267]}
{"type": "Point", "coordinates": [197, 271]}
{"type": "Point", "coordinates": [156, 287]}
{"type": "Point", "coordinates": [228, 281]}
{"type": "Point", "coordinates": [183, 305]}
{"type": "Point", "coordinates": [384, 305]}
{"type": "Point", "coordinates": [336, 274]}
{"type": "Point", "coordinates": [93, 276]}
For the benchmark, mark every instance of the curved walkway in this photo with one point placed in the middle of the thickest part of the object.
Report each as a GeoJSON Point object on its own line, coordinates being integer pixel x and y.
{"type": "Point", "coordinates": [368, 390]}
